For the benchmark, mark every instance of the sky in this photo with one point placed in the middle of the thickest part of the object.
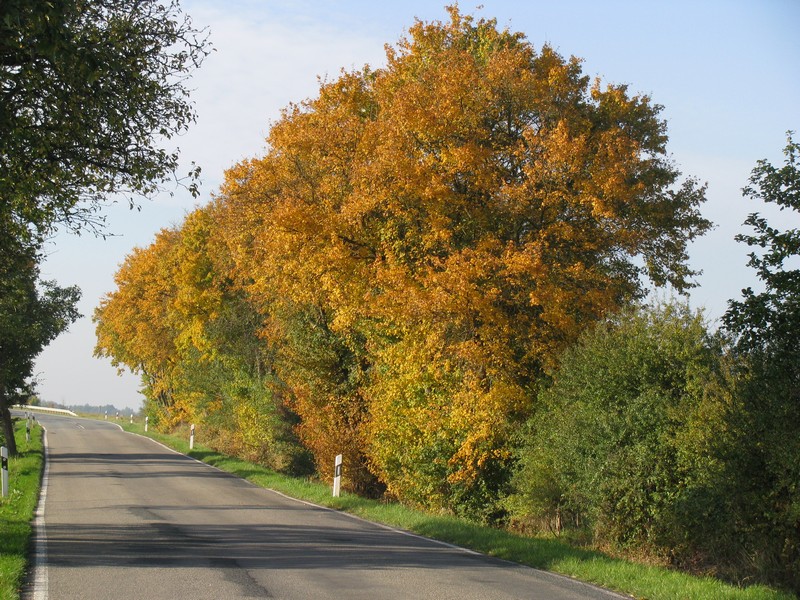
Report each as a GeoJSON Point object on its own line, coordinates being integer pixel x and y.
{"type": "Point", "coordinates": [726, 72]}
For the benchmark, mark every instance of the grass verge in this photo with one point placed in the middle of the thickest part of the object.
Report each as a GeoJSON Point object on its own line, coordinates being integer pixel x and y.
{"type": "Point", "coordinates": [17, 510]}
{"type": "Point", "coordinates": [640, 581]}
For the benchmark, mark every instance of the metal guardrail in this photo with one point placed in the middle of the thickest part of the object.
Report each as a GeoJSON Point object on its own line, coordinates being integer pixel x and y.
{"type": "Point", "coordinates": [59, 411]}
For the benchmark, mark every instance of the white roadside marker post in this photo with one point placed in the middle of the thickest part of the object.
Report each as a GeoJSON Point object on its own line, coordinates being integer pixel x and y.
{"type": "Point", "coordinates": [4, 459]}
{"type": "Point", "coordinates": [131, 417]}
{"type": "Point", "coordinates": [146, 423]}
{"type": "Point", "coordinates": [191, 439]}
{"type": "Point", "coordinates": [106, 416]}
{"type": "Point", "coordinates": [337, 475]}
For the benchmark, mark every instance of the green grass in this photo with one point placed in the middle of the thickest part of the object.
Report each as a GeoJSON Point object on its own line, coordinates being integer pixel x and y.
{"type": "Point", "coordinates": [640, 581]}
{"type": "Point", "coordinates": [17, 510]}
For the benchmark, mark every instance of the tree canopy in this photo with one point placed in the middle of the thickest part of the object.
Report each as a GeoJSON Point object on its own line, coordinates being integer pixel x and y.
{"type": "Point", "coordinates": [763, 453]}
{"type": "Point", "coordinates": [421, 241]}
{"type": "Point", "coordinates": [453, 221]}
{"type": "Point", "coordinates": [32, 314]}
{"type": "Point", "coordinates": [769, 319]}
{"type": "Point", "coordinates": [89, 92]}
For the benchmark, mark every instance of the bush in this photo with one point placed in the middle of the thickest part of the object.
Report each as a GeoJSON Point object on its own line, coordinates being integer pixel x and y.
{"type": "Point", "coordinates": [621, 445]}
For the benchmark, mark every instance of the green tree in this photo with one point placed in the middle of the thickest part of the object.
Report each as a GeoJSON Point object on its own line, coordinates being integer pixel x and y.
{"type": "Point", "coordinates": [769, 319]}
{"type": "Point", "coordinates": [32, 314]}
{"type": "Point", "coordinates": [763, 456]}
{"type": "Point", "coordinates": [89, 91]}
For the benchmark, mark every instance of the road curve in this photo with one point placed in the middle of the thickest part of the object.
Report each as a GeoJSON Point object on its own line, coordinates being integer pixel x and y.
{"type": "Point", "coordinates": [126, 518]}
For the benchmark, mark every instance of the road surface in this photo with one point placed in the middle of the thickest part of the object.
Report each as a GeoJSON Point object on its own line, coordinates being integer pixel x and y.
{"type": "Point", "coordinates": [126, 518]}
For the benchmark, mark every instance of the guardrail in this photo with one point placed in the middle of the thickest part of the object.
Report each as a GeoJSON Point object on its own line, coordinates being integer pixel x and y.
{"type": "Point", "coordinates": [58, 411]}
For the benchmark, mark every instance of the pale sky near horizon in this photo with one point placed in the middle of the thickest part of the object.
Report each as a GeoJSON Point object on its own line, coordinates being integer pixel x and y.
{"type": "Point", "coordinates": [726, 72]}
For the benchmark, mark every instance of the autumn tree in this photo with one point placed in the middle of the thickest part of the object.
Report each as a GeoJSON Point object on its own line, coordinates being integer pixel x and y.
{"type": "Point", "coordinates": [282, 260]}
{"type": "Point", "coordinates": [179, 320]}
{"type": "Point", "coordinates": [445, 226]}
{"type": "Point", "coordinates": [134, 324]}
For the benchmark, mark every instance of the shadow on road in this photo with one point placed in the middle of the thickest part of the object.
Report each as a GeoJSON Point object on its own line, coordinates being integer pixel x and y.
{"type": "Point", "coordinates": [258, 546]}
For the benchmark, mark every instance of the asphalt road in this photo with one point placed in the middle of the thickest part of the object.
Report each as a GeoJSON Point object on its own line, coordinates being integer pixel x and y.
{"type": "Point", "coordinates": [126, 518]}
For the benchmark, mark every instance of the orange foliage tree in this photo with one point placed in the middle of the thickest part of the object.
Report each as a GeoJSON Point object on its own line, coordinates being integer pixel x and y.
{"type": "Point", "coordinates": [423, 240]}
{"type": "Point", "coordinates": [135, 326]}
{"type": "Point", "coordinates": [179, 319]}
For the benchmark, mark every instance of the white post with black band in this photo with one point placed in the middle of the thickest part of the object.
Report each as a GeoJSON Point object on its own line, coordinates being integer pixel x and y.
{"type": "Point", "coordinates": [4, 459]}
{"type": "Point", "coordinates": [337, 475]}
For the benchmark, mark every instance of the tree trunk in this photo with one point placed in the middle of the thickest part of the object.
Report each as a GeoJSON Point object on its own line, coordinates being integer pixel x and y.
{"type": "Point", "coordinates": [8, 426]}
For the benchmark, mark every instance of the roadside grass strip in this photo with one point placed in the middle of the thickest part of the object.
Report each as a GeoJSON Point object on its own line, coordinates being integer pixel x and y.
{"type": "Point", "coordinates": [17, 510]}
{"type": "Point", "coordinates": [627, 577]}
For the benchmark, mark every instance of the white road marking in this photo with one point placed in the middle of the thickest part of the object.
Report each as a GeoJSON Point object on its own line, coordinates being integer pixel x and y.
{"type": "Point", "coordinates": [40, 582]}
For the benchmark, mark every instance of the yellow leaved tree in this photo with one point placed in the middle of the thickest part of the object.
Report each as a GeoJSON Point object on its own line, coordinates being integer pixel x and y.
{"type": "Point", "coordinates": [181, 320]}
{"type": "Point", "coordinates": [135, 324]}
{"type": "Point", "coordinates": [424, 239]}
{"type": "Point", "coordinates": [395, 276]}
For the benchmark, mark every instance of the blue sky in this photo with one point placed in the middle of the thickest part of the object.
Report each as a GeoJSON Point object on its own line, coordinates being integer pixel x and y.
{"type": "Point", "coordinates": [727, 74]}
